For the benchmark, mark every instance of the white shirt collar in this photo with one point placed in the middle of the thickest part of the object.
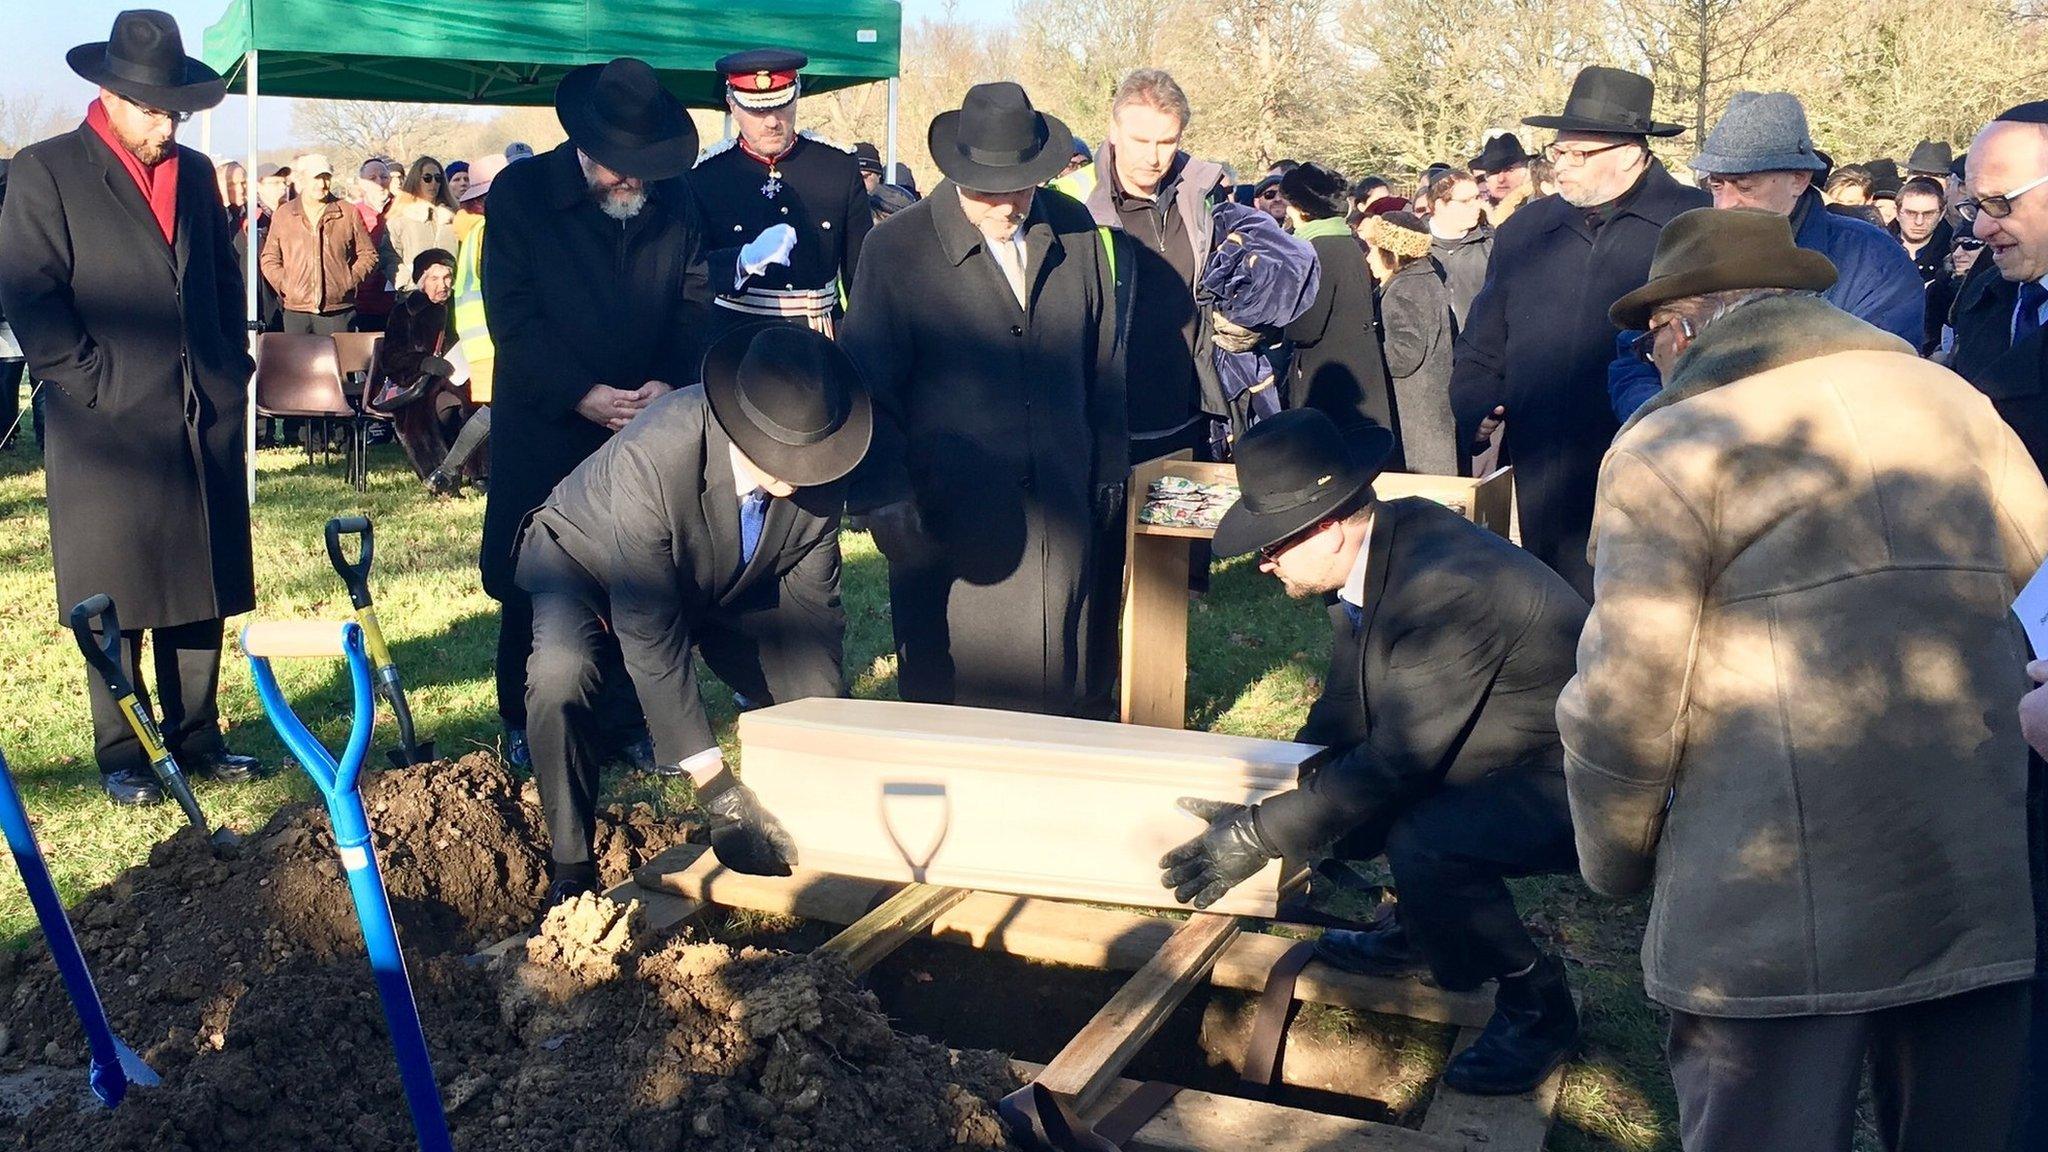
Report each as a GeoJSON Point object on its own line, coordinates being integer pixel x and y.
{"type": "Point", "coordinates": [1353, 592]}
{"type": "Point", "coordinates": [743, 485]}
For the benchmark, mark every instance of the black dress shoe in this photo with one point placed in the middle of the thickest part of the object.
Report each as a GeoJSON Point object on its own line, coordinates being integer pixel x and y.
{"type": "Point", "coordinates": [224, 768]}
{"type": "Point", "coordinates": [1535, 1026]}
{"type": "Point", "coordinates": [1382, 951]}
{"type": "Point", "coordinates": [131, 788]}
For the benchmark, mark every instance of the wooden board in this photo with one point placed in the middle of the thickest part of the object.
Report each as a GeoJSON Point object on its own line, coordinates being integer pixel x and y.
{"type": "Point", "coordinates": [1099, 1052]}
{"type": "Point", "coordinates": [1005, 801]}
{"type": "Point", "coordinates": [1205, 1122]}
{"type": "Point", "coordinates": [1493, 1123]}
{"type": "Point", "coordinates": [894, 923]}
{"type": "Point", "coordinates": [1062, 934]}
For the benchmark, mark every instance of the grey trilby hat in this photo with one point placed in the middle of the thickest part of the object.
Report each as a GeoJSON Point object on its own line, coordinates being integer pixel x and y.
{"type": "Point", "coordinates": [1760, 132]}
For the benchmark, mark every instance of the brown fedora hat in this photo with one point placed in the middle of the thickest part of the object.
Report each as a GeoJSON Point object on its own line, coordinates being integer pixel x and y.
{"type": "Point", "coordinates": [1720, 250]}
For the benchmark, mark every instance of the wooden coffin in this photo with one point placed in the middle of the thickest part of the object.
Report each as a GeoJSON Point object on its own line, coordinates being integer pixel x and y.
{"type": "Point", "coordinates": [1005, 801]}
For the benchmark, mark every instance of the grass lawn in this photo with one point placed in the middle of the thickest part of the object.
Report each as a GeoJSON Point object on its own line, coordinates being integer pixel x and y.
{"type": "Point", "coordinates": [1256, 657]}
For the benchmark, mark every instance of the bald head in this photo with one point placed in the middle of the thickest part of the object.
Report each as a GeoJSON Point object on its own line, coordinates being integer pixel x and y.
{"type": "Point", "coordinates": [2008, 156]}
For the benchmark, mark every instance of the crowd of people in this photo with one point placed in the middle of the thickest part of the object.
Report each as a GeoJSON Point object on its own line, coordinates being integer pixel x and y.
{"type": "Point", "coordinates": [1778, 434]}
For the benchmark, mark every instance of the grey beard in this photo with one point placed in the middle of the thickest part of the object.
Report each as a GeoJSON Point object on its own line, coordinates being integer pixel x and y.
{"type": "Point", "coordinates": [621, 203]}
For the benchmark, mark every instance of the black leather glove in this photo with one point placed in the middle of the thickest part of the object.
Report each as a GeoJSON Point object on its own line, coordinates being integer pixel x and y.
{"type": "Point", "coordinates": [1109, 504]}
{"type": "Point", "coordinates": [898, 529]}
{"type": "Point", "coordinates": [1230, 852]}
{"type": "Point", "coordinates": [744, 836]}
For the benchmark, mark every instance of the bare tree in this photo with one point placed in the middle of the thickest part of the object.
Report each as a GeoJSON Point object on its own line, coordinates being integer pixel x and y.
{"type": "Point", "coordinates": [1701, 51]}
{"type": "Point", "coordinates": [25, 117]}
{"type": "Point", "coordinates": [353, 129]}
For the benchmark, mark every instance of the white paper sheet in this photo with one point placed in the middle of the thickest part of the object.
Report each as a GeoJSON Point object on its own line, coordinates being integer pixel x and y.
{"type": "Point", "coordinates": [2032, 609]}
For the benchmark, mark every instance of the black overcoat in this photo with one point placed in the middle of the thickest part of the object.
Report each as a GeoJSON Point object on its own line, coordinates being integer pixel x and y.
{"type": "Point", "coordinates": [1337, 366]}
{"type": "Point", "coordinates": [145, 344]}
{"type": "Point", "coordinates": [1539, 342]}
{"type": "Point", "coordinates": [2014, 376]}
{"type": "Point", "coordinates": [1451, 675]}
{"type": "Point", "coordinates": [574, 299]}
{"type": "Point", "coordinates": [999, 422]}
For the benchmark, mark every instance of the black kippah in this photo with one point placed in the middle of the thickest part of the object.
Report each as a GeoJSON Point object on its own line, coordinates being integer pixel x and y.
{"type": "Point", "coordinates": [2032, 112]}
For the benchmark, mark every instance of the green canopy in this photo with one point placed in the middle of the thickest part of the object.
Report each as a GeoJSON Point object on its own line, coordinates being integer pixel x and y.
{"type": "Point", "coordinates": [513, 51]}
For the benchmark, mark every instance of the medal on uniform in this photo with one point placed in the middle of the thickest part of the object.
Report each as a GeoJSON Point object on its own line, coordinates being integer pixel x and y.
{"type": "Point", "coordinates": [774, 183]}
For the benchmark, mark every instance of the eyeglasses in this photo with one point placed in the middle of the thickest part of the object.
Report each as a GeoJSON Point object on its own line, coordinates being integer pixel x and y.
{"type": "Point", "coordinates": [1564, 157]}
{"type": "Point", "coordinates": [430, 178]}
{"type": "Point", "coordinates": [155, 113]}
{"type": "Point", "coordinates": [1644, 347]}
{"type": "Point", "coordinates": [1996, 207]}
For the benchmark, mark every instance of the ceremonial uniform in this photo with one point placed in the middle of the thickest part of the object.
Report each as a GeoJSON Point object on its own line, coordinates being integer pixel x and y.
{"type": "Point", "coordinates": [813, 187]}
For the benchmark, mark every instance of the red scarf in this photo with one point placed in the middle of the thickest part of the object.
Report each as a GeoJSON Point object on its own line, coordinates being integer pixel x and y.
{"type": "Point", "coordinates": [159, 183]}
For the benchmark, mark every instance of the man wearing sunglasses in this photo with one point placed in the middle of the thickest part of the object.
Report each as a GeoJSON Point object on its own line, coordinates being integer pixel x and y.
{"type": "Point", "coordinates": [2000, 307]}
{"type": "Point", "coordinates": [118, 272]}
{"type": "Point", "coordinates": [1449, 648]}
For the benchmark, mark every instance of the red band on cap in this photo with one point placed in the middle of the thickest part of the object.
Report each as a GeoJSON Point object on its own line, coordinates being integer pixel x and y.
{"type": "Point", "coordinates": [760, 81]}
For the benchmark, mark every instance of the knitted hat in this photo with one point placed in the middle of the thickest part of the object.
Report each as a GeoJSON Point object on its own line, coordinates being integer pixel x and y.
{"type": "Point", "coordinates": [1760, 132]}
{"type": "Point", "coordinates": [1402, 233]}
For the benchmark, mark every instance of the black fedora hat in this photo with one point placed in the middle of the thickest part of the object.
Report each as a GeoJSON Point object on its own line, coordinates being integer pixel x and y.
{"type": "Point", "coordinates": [620, 116]}
{"type": "Point", "coordinates": [1930, 158]}
{"type": "Point", "coordinates": [997, 142]}
{"type": "Point", "coordinates": [1608, 100]}
{"type": "Point", "coordinates": [1294, 470]}
{"type": "Point", "coordinates": [144, 60]}
{"type": "Point", "coordinates": [1500, 153]}
{"type": "Point", "coordinates": [791, 400]}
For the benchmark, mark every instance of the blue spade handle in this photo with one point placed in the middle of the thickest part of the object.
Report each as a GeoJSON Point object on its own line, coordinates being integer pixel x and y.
{"type": "Point", "coordinates": [114, 1064]}
{"type": "Point", "coordinates": [337, 784]}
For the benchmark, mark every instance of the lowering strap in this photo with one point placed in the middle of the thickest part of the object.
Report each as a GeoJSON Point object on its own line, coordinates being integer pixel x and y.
{"type": "Point", "coordinates": [1269, 1026]}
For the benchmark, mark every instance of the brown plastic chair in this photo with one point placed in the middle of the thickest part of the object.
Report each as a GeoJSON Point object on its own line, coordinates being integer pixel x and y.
{"type": "Point", "coordinates": [355, 357]}
{"type": "Point", "coordinates": [300, 376]}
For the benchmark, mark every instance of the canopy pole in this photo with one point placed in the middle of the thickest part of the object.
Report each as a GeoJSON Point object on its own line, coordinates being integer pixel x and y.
{"type": "Point", "coordinates": [889, 162]}
{"type": "Point", "coordinates": [249, 274]}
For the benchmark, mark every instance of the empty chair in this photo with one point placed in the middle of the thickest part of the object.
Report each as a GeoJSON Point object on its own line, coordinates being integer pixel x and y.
{"type": "Point", "coordinates": [300, 376]}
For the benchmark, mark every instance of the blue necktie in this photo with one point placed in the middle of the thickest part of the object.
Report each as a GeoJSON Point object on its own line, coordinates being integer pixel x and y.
{"type": "Point", "coordinates": [753, 514]}
{"type": "Point", "coordinates": [2028, 322]}
{"type": "Point", "coordinates": [1353, 613]}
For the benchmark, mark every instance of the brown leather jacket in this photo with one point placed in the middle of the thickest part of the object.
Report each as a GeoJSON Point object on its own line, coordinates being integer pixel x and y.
{"type": "Point", "coordinates": [317, 273]}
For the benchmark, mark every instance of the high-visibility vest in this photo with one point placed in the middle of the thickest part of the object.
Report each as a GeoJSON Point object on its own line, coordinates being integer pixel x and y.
{"type": "Point", "coordinates": [472, 335]}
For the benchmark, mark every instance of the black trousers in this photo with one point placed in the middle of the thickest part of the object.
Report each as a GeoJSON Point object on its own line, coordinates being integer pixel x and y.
{"type": "Point", "coordinates": [186, 665]}
{"type": "Point", "coordinates": [578, 689]}
{"type": "Point", "coordinates": [1451, 853]}
{"type": "Point", "coordinates": [318, 323]}
{"type": "Point", "coordinates": [1944, 1075]}
{"type": "Point", "coordinates": [10, 398]}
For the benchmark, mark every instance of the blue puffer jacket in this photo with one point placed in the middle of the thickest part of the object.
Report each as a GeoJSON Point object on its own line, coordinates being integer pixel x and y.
{"type": "Point", "coordinates": [1875, 282]}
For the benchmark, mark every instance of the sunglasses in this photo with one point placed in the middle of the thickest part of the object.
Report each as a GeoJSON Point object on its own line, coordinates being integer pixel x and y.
{"type": "Point", "coordinates": [1271, 552]}
{"type": "Point", "coordinates": [1996, 207]}
{"type": "Point", "coordinates": [430, 178]}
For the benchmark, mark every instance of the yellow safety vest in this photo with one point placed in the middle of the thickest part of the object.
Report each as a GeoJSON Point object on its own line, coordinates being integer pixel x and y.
{"type": "Point", "coordinates": [472, 335]}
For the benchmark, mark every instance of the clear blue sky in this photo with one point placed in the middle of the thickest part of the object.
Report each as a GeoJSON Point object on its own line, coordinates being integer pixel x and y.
{"type": "Point", "coordinates": [39, 36]}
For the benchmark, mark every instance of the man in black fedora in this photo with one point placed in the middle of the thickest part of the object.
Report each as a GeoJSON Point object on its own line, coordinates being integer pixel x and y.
{"type": "Point", "coordinates": [1450, 647]}
{"type": "Point", "coordinates": [1502, 168]}
{"type": "Point", "coordinates": [595, 284]}
{"type": "Point", "coordinates": [709, 527]}
{"type": "Point", "coordinates": [118, 272]}
{"type": "Point", "coordinates": [1537, 344]}
{"type": "Point", "coordinates": [772, 174]}
{"type": "Point", "coordinates": [984, 318]}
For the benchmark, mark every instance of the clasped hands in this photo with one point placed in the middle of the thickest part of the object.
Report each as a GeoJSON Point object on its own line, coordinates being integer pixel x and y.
{"type": "Point", "coordinates": [614, 408]}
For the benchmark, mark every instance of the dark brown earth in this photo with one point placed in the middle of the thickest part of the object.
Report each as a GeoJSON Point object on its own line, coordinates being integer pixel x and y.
{"type": "Point", "coordinates": [243, 982]}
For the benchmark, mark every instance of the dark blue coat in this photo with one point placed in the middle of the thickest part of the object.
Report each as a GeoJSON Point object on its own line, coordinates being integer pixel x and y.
{"type": "Point", "coordinates": [1876, 282]}
{"type": "Point", "coordinates": [1539, 343]}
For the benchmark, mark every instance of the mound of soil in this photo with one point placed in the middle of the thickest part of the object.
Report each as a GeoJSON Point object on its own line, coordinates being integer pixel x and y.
{"type": "Point", "coordinates": [243, 982]}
